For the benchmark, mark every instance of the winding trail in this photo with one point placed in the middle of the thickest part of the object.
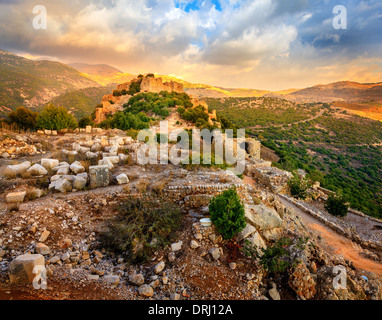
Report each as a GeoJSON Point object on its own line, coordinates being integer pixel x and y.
{"type": "Point", "coordinates": [337, 243]}
{"type": "Point", "coordinates": [289, 124]}
{"type": "Point", "coordinates": [334, 242]}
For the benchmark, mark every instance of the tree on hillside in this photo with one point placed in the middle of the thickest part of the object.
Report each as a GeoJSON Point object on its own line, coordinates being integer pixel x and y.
{"type": "Point", "coordinates": [85, 121]}
{"type": "Point", "coordinates": [23, 118]}
{"type": "Point", "coordinates": [135, 87]}
{"type": "Point", "coordinates": [55, 118]}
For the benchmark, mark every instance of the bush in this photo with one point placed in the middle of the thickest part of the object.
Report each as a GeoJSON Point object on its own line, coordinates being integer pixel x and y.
{"type": "Point", "coordinates": [55, 118]}
{"type": "Point", "coordinates": [227, 213]}
{"type": "Point", "coordinates": [23, 118]}
{"type": "Point", "coordinates": [85, 121]}
{"type": "Point", "coordinates": [282, 255]}
{"type": "Point", "coordinates": [142, 227]}
{"type": "Point", "coordinates": [117, 93]}
{"type": "Point", "coordinates": [299, 187]}
{"type": "Point", "coordinates": [135, 87]}
{"type": "Point", "coordinates": [336, 205]}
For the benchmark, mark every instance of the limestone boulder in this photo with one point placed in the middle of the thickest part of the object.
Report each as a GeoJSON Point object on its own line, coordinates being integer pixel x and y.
{"type": "Point", "coordinates": [99, 176]}
{"type": "Point", "coordinates": [246, 232]}
{"type": "Point", "coordinates": [61, 185]}
{"type": "Point", "coordinates": [21, 269]}
{"type": "Point", "coordinates": [17, 169]}
{"type": "Point", "coordinates": [113, 160]}
{"type": "Point", "coordinates": [106, 162]}
{"type": "Point", "coordinates": [37, 170]}
{"type": "Point", "coordinates": [42, 249]}
{"type": "Point", "coordinates": [15, 197]}
{"type": "Point", "coordinates": [77, 167]}
{"type": "Point", "coordinates": [49, 163]}
{"type": "Point", "coordinates": [79, 183]}
{"type": "Point", "coordinates": [122, 178]}
{"type": "Point", "coordinates": [258, 242]}
{"type": "Point", "coordinates": [262, 217]}
{"type": "Point", "coordinates": [91, 155]}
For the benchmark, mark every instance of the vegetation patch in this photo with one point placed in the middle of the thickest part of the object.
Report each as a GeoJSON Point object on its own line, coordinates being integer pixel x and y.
{"type": "Point", "coordinates": [143, 226]}
{"type": "Point", "coordinates": [227, 213]}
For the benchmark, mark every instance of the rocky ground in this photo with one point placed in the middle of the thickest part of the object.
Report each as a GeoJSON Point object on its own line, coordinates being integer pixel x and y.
{"type": "Point", "coordinates": [64, 227]}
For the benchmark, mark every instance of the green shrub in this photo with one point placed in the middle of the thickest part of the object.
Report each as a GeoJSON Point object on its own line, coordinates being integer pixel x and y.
{"type": "Point", "coordinates": [280, 256]}
{"type": "Point", "coordinates": [336, 205]}
{"type": "Point", "coordinates": [55, 118]}
{"type": "Point", "coordinates": [299, 186]}
{"type": "Point", "coordinates": [227, 213]}
{"type": "Point", "coordinates": [117, 93]}
{"type": "Point", "coordinates": [85, 121]}
{"type": "Point", "coordinates": [135, 87]}
{"type": "Point", "coordinates": [23, 118]}
{"type": "Point", "coordinates": [143, 226]}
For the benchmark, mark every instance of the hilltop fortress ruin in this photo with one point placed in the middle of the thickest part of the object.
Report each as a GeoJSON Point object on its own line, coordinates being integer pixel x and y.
{"type": "Point", "coordinates": [112, 103]}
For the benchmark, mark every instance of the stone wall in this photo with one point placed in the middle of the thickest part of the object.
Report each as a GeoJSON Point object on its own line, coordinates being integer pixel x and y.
{"type": "Point", "coordinates": [149, 84]}
{"type": "Point", "coordinates": [347, 233]}
{"type": "Point", "coordinates": [273, 178]}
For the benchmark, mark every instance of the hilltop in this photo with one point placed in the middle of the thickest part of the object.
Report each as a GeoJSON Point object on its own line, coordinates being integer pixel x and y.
{"type": "Point", "coordinates": [346, 91]}
{"type": "Point", "coordinates": [32, 83]}
{"type": "Point", "coordinates": [102, 73]}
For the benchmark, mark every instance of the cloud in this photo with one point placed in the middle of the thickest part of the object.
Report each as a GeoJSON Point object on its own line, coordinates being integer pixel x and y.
{"type": "Point", "coordinates": [269, 44]}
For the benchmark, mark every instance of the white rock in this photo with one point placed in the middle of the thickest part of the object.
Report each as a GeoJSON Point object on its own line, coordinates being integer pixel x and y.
{"type": "Point", "coordinates": [37, 170]}
{"type": "Point", "coordinates": [176, 246]}
{"type": "Point", "coordinates": [77, 167]}
{"type": "Point", "coordinates": [122, 178]}
{"type": "Point", "coordinates": [106, 162]}
{"type": "Point", "coordinates": [49, 163]}
{"type": "Point", "coordinates": [15, 197]}
{"type": "Point", "coordinates": [21, 269]}
{"type": "Point", "coordinates": [17, 169]}
{"type": "Point", "coordinates": [159, 267]}
{"type": "Point", "coordinates": [79, 183]}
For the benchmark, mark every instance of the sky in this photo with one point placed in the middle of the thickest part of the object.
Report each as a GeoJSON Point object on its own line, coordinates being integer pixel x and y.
{"type": "Point", "coordinates": [261, 44]}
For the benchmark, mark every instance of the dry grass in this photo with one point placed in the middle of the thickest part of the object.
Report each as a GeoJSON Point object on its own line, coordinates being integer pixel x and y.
{"type": "Point", "coordinates": [10, 174]}
{"type": "Point", "coordinates": [126, 188]}
{"type": "Point", "coordinates": [142, 185]}
{"type": "Point", "coordinates": [158, 187]}
{"type": "Point", "coordinates": [33, 193]}
{"type": "Point", "coordinates": [26, 175]}
{"type": "Point", "coordinates": [133, 176]}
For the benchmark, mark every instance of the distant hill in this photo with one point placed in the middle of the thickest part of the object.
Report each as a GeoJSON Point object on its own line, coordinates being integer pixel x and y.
{"type": "Point", "coordinates": [97, 69]}
{"type": "Point", "coordinates": [29, 83]}
{"type": "Point", "coordinates": [82, 102]}
{"type": "Point", "coordinates": [103, 73]}
{"type": "Point", "coordinates": [345, 91]}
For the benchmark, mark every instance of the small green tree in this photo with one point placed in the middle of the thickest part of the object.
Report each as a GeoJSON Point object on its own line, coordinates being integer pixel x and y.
{"type": "Point", "coordinates": [336, 205]}
{"type": "Point", "coordinates": [23, 118]}
{"type": "Point", "coordinates": [135, 87]}
{"type": "Point", "coordinates": [299, 186]}
{"type": "Point", "coordinates": [227, 213]}
{"type": "Point", "coordinates": [55, 118]}
{"type": "Point", "coordinates": [85, 121]}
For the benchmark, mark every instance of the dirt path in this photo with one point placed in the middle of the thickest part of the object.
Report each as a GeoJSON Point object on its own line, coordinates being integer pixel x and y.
{"type": "Point", "coordinates": [289, 124]}
{"type": "Point", "coordinates": [335, 243]}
